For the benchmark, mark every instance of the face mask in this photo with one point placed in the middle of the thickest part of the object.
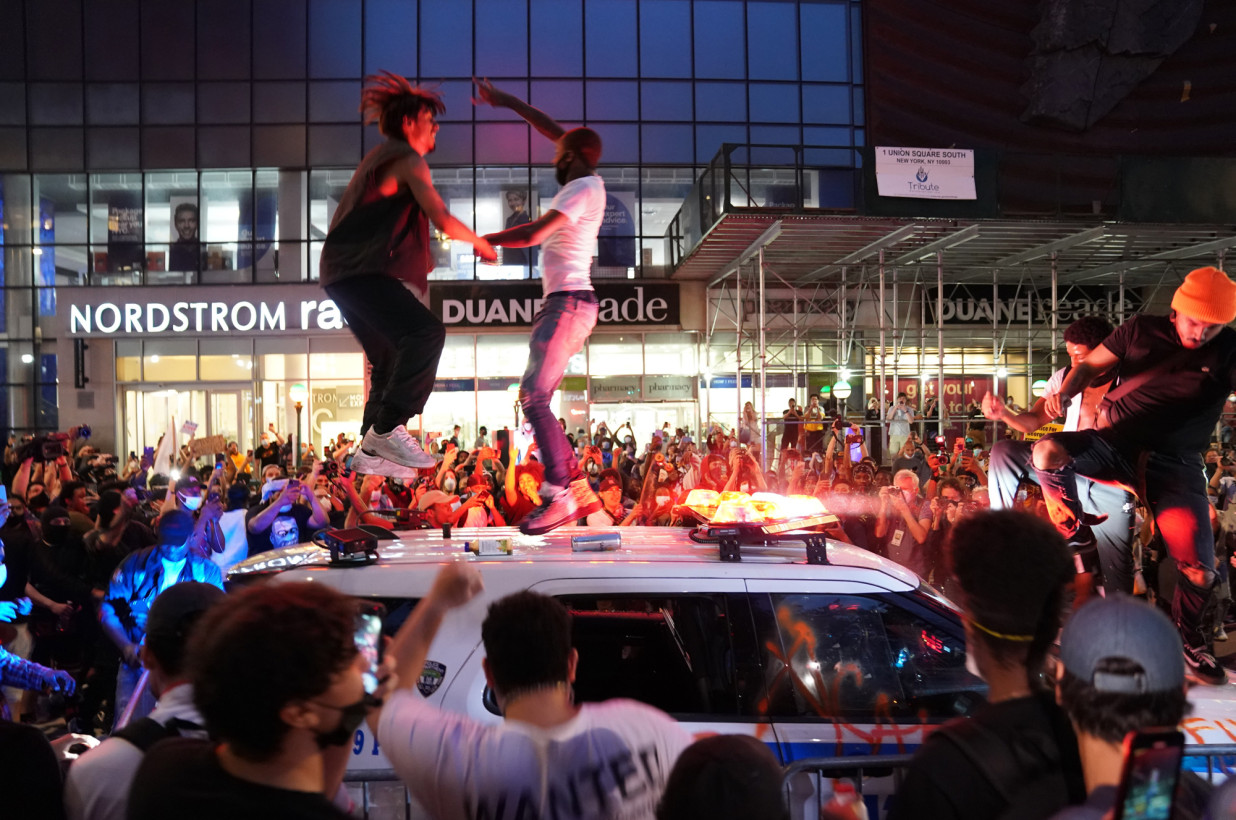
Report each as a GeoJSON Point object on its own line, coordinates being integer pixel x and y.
{"type": "Point", "coordinates": [376, 497]}
{"type": "Point", "coordinates": [593, 468]}
{"type": "Point", "coordinates": [192, 503]}
{"type": "Point", "coordinates": [527, 427]}
{"type": "Point", "coordinates": [662, 475]}
{"type": "Point", "coordinates": [322, 496]}
{"type": "Point", "coordinates": [350, 719]}
{"type": "Point", "coordinates": [448, 485]}
{"type": "Point", "coordinates": [56, 534]}
{"type": "Point", "coordinates": [745, 487]}
{"type": "Point", "coordinates": [663, 500]}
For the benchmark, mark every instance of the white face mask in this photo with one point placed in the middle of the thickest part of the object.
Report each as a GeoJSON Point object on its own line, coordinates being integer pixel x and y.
{"type": "Point", "coordinates": [745, 487]}
{"type": "Point", "coordinates": [375, 497]}
{"type": "Point", "coordinates": [662, 475]}
{"type": "Point", "coordinates": [663, 500]}
{"type": "Point", "coordinates": [448, 485]}
{"type": "Point", "coordinates": [193, 502]}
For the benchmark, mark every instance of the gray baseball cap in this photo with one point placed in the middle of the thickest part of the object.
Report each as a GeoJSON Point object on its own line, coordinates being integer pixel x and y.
{"type": "Point", "coordinates": [1123, 628]}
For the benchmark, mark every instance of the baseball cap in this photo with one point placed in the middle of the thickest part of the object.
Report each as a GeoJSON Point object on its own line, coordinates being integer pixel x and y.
{"type": "Point", "coordinates": [610, 478]}
{"type": "Point", "coordinates": [1123, 628]}
{"type": "Point", "coordinates": [175, 527]}
{"type": "Point", "coordinates": [475, 480]}
{"type": "Point", "coordinates": [176, 603]}
{"type": "Point", "coordinates": [188, 484]}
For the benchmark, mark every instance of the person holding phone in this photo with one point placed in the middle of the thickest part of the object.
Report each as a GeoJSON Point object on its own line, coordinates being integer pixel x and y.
{"type": "Point", "coordinates": [289, 517]}
{"type": "Point", "coordinates": [1123, 673]}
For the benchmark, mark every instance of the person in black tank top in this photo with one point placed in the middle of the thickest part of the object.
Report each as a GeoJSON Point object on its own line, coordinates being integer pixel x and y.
{"type": "Point", "coordinates": [375, 266]}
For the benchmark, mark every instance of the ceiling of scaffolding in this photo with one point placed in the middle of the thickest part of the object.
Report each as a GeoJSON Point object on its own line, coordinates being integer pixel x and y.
{"type": "Point", "coordinates": [802, 249]}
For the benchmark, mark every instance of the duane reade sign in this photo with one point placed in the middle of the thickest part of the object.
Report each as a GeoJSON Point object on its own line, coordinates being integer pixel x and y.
{"type": "Point", "coordinates": [925, 173]}
{"type": "Point", "coordinates": [273, 310]}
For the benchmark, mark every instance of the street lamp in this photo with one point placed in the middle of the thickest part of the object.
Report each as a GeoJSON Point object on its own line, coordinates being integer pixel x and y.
{"type": "Point", "coordinates": [299, 394]}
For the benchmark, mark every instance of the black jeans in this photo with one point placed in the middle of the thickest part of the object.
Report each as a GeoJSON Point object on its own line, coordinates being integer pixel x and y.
{"type": "Point", "coordinates": [402, 339]}
{"type": "Point", "coordinates": [1173, 488]}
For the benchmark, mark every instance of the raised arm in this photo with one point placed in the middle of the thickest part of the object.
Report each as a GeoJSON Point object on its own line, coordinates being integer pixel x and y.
{"type": "Point", "coordinates": [538, 119]}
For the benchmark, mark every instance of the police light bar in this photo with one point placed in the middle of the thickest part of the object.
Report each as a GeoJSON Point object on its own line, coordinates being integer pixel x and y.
{"type": "Point", "coordinates": [738, 518]}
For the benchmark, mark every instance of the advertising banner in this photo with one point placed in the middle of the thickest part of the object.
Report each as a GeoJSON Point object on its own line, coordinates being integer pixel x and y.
{"type": "Point", "coordinates": [925, 173]}
{"type": "Point", "coordinates": [125, 232]}
{"type": "Point", "coordinates": [1009, 304]}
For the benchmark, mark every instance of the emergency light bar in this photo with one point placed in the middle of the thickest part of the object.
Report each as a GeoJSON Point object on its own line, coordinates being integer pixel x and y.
{"type": "Point", "coordinates": [734, 518]}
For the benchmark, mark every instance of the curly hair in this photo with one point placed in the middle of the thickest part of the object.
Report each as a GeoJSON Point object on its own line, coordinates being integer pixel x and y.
{"type": "Point", "coordinates": [1013, 570]}
{"type": "Point", "coordinates": [1089, 331]}
{"type": "Point", "coordinates": [388, 99]}
{"type": "Point", "coordinates": [270, 645]}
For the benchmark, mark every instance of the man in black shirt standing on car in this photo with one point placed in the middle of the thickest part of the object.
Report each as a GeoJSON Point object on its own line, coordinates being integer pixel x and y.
{"type": "Point", "coordinates": [1175, 373]}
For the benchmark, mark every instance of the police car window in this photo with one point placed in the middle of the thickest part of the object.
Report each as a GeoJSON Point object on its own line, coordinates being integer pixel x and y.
{"type": "Point", "coordinates": [862, 658]}
{"type": "Point", "coordinates": [683, 654]}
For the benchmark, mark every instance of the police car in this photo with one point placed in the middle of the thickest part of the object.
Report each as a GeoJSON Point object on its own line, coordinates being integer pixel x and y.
{"type": "Point", "coordinates": [814, 646]}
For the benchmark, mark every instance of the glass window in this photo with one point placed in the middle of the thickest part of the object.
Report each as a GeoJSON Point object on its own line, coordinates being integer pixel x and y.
{"type": "Point", "coordinates": [612, 100]}
{"type": "Point", "coordinates": [55, 103]}
{"type": "Point", "coordinates": [667, 144]}
{"type": "Point", "coordinates": [334, 102]}
{"type": "Point", "coordinates": [279, 102]}
{"type": "Point", "coordinates": [223, 102]}
{"type": "Point", "coordinates": [223, 37]}
{"type": "Point", "coordinates": [390, 26]}
{"type": "Point", "coordinates": [827, 104]}
{"type": "Point", "coordinates": [168, 103]}
{"type": "Point", "coordinates": [160, 367]}
{"type": "Point", "coordinates": [325, 189]}
{"type": "Point", "coordinates": [825, 38]}
{"type": "Point", "coordinates": [665, 101]}
{"type": "Point", "coordinates": [502, 143]}
{"type": "Point", "coordinates": [864, 659]}
{"type": "Point", "coordinates": [564, 98]}
{"type": "Point", "coordinates": [503, 201]}
{"type": "Point", "coordinates": [557, 39]}
{"type": "Point", "coordinates": [106, 103]}
{"type": "Point", "coordinates": [610, 33]}
{"type": "Point", "coordinates": [173, 226]}
{"type": "Point", "coordinates": [774, 102]}
{"type": "Point", "coordinates": [615, 355]}
{"type": "Point", "coordinates": [721, 102]}
{"type": "Point", "coordinates": [670, 353]}
{"type": "Point", "coordinates": [771, 46]}
{"type": "Point", "coordinates": [334, 38]}
{"type": "Point", "coordinates": [501, 33]}
{"type": "Point", "coordinates": [454, 145]}
{"type": "Point", "coordinates": [171, 54]}
{"type": "Point", "coordinates": [665, 38]}
{"type": "Point", "coordinates": [502, 356]}
{"type": "Point", "coordinates": [458, 357]}
{"type": "Point", "coordinates": [446, 48]}
{"type": "Point", "coordinates": [128, 361]}
{"type": "Point", "coordinates": [719, 40]}
{"type": "Point", "coordinates": [13, 104]}
{"type": "Point", "coordinates": [710, 138]}
{"type": "Point", "coordinates": [680, 653]}
{"type": "Point", "coordinates": [279, 39]}
{"type": "Point", "coordinates": [336, 365]}
{"type": "Point", "coordinates": [335, 406]}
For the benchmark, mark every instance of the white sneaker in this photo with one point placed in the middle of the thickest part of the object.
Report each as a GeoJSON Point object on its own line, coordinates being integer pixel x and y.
{"type": "Point", "coordinates": [367, 464]}
{"type": "Point", "coordinates": [397, 446]}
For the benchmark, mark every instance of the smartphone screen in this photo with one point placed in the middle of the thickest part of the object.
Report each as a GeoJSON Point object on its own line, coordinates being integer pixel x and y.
{"type": "Point", "coordinates": [368, 638]}
{"type": "Point", "coordinates": [1151, 771]}
{"type": "Point", "coordinates": [4, 494]}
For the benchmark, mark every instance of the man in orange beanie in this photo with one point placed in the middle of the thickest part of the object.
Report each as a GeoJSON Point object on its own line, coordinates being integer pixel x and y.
{"type": "Point", "coordinates": [1175, 373]}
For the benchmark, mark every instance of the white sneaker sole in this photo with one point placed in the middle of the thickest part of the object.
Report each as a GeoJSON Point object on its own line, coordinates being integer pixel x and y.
{"type": "Point", "coordinates": [381, 446]}
{"type": "Point", "coordinates": [367, 464]}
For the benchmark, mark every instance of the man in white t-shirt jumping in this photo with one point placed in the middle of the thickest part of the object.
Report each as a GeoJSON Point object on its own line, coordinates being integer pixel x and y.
{"type": "Point", "coordinates": [567, 234]}
{"type": "Point", "coordinates": [1109, 506]}
{"type": "Point", "coordinates": [550, 757]}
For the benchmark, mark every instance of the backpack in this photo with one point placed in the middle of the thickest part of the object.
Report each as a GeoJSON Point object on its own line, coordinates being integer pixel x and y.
{"type": "Point", "coordinates": [1022, 772]}
{"type": "Point", "coordinates": [146, 732]}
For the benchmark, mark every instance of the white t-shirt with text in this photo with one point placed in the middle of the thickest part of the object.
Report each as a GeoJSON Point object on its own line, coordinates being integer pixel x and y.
{"type": "Point", "coordinates": [609, 762]}
{"type": "Point", "coordinates": [566, 256]}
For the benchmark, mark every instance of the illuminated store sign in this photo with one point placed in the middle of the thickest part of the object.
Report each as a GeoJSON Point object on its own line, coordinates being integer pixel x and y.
{"type": "Point", "coordinates": [216, 310]}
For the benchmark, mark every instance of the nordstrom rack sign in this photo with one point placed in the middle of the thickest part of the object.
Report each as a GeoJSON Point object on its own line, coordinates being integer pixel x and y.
{"type": "Point", "coordinates": [212, 310]}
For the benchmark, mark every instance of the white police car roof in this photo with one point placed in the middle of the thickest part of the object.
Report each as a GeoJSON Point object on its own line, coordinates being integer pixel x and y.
{"type": "Point", "coordinates": [664, 552]}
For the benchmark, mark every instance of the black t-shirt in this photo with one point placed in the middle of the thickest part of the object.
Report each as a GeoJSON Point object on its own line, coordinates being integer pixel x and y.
{"type": "Point", "coordinates": [1174, 411]}
{"type": "Point", "coordinates": [943, 783]}
{"type": "Point", "coordinates": [18, 542]}
{"type": "Point", "coordinates": [267, 454]}
{"type": "Point", "coordinates": [288, 528]}
{"type": "Point", "coordinates": [182, 778]}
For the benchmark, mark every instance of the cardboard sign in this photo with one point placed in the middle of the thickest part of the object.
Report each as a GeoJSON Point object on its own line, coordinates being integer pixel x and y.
{"type": "Point", "coordinates": [207, 446]}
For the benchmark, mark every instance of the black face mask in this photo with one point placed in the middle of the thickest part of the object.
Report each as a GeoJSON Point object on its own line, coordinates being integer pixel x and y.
{"type": "Point", "coordinates": [56, 534]}
{"type": "Point", "coordinates": [350, 718]}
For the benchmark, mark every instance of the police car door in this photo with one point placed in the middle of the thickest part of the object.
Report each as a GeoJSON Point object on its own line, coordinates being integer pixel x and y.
{"type": "Point", "coordinates": [685, 646]}
{"type": "Point", "coordinates": [855, 670]}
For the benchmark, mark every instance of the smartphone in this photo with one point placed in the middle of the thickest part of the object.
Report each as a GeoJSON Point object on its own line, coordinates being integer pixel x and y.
{"type": "Point", "coordinates": [1149, 775]}
{"type": "Point", "coordinates": [4, 494]}
{"type": "Point", "coordinates": [368, 637]}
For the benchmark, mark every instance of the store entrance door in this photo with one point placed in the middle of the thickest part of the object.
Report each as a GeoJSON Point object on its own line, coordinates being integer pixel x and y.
{"type": "Point", "coordinates": [222, 410]}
